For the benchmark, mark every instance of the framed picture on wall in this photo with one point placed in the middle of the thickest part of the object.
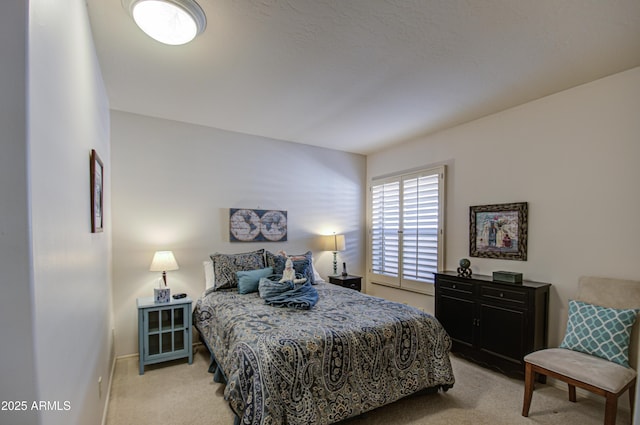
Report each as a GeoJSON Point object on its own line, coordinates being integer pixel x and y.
{"type": "Point", "coordinates": [97, 198]}
{"type": "Point", "coordinates": [251, 225]}
{"type": "Point", "coordinates": [498, 231]}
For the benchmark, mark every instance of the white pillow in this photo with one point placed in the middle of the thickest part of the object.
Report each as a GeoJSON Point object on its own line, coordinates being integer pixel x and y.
{"type": "Point", "coordinates": [316, 275]}
{"type": "Point", "coordinates": [209, 277]}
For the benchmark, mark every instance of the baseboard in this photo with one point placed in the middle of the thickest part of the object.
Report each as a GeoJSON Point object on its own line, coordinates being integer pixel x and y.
{"type": "Point", "coordinates": [108, 394]}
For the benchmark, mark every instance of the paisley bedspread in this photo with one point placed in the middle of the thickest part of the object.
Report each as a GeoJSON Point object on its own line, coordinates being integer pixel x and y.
{"type": "Point", "coordinates": [347, 355]}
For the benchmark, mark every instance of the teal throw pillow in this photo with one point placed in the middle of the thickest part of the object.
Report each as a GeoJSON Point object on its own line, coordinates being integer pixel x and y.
{"type": "Point", "coordinates": [248, 280]}
{"type": "Point", "coordinates": [599, 331]}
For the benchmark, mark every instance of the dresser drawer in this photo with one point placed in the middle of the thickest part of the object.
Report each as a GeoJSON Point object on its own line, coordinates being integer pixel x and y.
{"type": "Point", "coordinates": [504, 294]}
{"type": "Point", "coordinates": [455, 287]}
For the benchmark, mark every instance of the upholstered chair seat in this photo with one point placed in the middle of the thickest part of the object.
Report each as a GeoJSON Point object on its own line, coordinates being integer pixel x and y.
{"type": "Point", "coordinates": [591, 370]}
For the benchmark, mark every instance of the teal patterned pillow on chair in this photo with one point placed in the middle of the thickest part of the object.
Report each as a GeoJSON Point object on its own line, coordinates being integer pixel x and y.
{"type": "Point", "coordinates": [599, 331]}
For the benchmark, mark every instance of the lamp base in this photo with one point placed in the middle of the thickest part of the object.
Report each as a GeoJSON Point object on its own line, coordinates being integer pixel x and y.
{"type": "Point", "coordinates": [162, 295]}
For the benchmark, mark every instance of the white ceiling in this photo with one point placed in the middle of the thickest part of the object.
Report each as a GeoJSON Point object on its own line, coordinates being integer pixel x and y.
{"type": "Point", "coordinates": [360, 75]}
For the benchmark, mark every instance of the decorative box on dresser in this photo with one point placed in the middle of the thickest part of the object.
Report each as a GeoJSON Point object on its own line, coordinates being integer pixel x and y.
{"type": "Point", "coordinates": [493, 323]}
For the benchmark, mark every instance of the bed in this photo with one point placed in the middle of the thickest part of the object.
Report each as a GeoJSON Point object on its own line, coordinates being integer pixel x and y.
{"type": "Point", "coordinates": [348, 354]}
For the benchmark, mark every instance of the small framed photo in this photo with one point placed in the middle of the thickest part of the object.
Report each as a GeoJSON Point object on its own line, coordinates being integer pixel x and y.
{"type": "Point", "coordinates": [161, 295]}
{"type": "Point", "coordinates": [498, 231]}
{"type": "Point", "coordinates": [97, 198]}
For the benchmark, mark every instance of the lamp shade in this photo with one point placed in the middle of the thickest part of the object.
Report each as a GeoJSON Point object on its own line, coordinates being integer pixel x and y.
{"type": "Point", "coordinates": [163, 261]}
{"type": "Point", "coordinates": [333, 243]}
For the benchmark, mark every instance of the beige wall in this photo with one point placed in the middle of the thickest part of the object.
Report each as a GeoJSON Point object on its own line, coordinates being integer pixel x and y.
{"type": "Point", "coordinates": [572, 156]}
{"type": "Point", "coordinates": [173, 184]}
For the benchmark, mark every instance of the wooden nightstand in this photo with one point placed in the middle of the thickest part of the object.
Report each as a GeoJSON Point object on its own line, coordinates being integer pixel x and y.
{"type": "Point", "coordinates": [164, 330]}
{"type": "Point", "coordinates": [350, 281]}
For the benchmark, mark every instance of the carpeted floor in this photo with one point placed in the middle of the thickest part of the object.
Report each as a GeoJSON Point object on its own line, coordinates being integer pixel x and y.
{"type": "Point", "coordinates": [176, 393]}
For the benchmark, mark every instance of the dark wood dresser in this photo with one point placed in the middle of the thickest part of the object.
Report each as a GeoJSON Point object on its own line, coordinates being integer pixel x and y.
{"type": "Point", "coordinates": [492, 323]}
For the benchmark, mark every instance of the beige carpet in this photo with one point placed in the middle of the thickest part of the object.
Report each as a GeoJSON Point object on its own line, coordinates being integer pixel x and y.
{"type": "Point", "coordinates": [177, 393]}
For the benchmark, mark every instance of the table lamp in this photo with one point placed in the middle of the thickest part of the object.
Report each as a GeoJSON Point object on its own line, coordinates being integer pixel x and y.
{"type": "Point", "coordinates": [163, 261]}
{"type": "Point", "coordinates": [334, 243]}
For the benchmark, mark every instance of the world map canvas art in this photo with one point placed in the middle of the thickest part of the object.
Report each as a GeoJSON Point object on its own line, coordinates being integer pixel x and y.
{"type": "Point", "coordinates": [249, 225]}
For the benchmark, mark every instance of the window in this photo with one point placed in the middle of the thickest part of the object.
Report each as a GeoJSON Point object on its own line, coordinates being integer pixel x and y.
{"type": "Point", "coordinates": [406, 233]}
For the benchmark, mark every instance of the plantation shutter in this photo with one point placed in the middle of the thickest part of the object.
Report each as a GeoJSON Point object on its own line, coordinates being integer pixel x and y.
{"type": "Point", "coordinates": [420, 227]}
{"type": "Point", "coordinates": [385, 214]}
{"type": "Point", "coordinates": [406, 229]}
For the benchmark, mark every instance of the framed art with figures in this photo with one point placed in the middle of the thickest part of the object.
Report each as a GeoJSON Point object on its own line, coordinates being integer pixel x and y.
{"type": "Point", "coordinates": [498, 231]}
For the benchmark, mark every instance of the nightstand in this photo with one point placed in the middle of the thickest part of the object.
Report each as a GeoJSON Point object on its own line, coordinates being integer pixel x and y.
{"type": "Point", "coordinates": [350, 281]}
{"type": "Point", "coordinates": [164, 331]}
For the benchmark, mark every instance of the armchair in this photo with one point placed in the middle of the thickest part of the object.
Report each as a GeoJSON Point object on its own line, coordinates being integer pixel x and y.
{"type": "Point", "coordinates": [583, 369]}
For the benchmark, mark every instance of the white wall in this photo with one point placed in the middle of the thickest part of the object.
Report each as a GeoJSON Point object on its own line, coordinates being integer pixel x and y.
{"type": "Point", "coordinates": [17, 374]}
{"type": "Point", "coordinates": [67, 270]}
{"type": "Point", "coordinates": [173, 184]}
{"type": "Point", "coordinates": [572, 156]}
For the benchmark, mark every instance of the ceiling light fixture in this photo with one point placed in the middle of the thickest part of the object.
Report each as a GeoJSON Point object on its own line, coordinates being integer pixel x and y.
{"type": "Point", "coordinates": [171, 22]}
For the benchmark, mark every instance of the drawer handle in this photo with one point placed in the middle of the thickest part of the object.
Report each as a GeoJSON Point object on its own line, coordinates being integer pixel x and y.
{"type": "Point", "coordinates": [501, 294]}
{"type": "Point", "coordinates": [454, 286]}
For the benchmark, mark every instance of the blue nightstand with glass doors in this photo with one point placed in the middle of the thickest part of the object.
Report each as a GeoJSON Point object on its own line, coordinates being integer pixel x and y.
{"type": "Point", "coordinates": [164, 331]}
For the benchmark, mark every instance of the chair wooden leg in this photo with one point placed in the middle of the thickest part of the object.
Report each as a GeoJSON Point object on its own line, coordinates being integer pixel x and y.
{"type": "Point", "coordinates": [529, 380]}
{"type": "Point", "coordinates": [632, 399]}
{"type": "Point", "coordinates": [610, 409]}
{"type": "Point", "coordinates": [572, 393]}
